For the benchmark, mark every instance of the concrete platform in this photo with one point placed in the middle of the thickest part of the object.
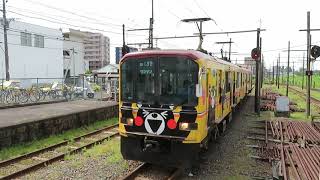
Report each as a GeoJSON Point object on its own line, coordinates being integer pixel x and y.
{"type": "Point", "coordinates": [23, 124]}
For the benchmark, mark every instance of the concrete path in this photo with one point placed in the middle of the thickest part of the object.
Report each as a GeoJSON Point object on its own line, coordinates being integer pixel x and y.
{"type": "Point", "coordinates": [21, 115]}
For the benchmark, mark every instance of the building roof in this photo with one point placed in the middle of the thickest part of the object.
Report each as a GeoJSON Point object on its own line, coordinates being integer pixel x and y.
{"type": "Point", "coordinates": [110, 68]}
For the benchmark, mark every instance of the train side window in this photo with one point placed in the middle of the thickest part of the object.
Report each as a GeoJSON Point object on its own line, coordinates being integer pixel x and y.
{"type": "Point", "coordinates": [238, 79]}
{"type": "Point", "coordinates": [227, 83]}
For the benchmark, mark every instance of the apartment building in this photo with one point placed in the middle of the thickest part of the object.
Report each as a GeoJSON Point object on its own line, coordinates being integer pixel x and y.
{"type": "Point", "coordinates": [96, 50]}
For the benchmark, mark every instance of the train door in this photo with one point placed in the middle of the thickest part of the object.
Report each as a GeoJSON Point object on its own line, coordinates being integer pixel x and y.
{"type": "Point", "coordinates": [219, 95]}
{"type": "Point", "coordinates": [226, 93]}
{"type": "Point", "coordinates": [211, 83]}
{"type": "Point", "coordinates": [233, 88]}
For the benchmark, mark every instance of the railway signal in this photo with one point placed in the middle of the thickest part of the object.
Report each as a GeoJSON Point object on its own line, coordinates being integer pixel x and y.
{"type": "Point", "coordinates": [255, 53]}
{"type": "Point", "coordinates": [315, 52]}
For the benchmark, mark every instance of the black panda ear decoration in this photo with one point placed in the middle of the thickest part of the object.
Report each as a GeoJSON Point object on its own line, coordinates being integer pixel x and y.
{"type": "Point", "coordinates": [171, 107]}
{"type": "Point", "coordinates": [145, 113]}
{"type": "Point", "coordinates": [139, 105]}
{"type": "Point", "coordinates": [164, 114]}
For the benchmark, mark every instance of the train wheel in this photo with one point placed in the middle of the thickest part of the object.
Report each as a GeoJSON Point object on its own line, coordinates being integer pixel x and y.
{"type": "Point", "coordinates": [215, 133]}
{"type": "Point", "coordinates": [205, 143]}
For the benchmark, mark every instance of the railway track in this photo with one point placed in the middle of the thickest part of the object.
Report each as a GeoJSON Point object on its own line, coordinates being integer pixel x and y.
{"type": "Point", "coordinates": [141, 173]}
{"type": "Point", "coordinates": [27, 163]}
{"type": "Point", "coordinates": [314, 101]}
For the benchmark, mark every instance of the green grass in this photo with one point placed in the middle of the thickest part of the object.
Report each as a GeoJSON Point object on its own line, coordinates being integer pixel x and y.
{"type": "Point", "coordinates": [24, 148]}
{"type": "Point", "coordinates": [301, 103]}
{"type": "Point", "coordinates": [297, 80]}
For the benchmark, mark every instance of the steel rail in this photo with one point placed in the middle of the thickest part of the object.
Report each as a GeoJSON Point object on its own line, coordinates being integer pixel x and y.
{"type": "Point", "coordinates": [56, 158]}
{"type": "Point", "coordinates": [174, 174]}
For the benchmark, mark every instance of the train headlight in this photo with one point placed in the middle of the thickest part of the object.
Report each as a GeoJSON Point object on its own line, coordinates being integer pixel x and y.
{"type": "Point", "coordinates": [188, 126]}
{"type": "Point", "coordinates": [130, 121]}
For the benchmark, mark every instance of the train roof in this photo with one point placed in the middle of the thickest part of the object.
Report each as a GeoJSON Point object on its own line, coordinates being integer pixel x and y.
{"type": "Point", "coordinates": [189, 53]}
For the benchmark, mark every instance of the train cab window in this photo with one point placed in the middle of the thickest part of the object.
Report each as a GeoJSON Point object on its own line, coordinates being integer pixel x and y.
{"type": "Point", "coordinates": [138, 80]}
{"type": "Point", "coordinates": [178, 78]}
{"type": "Point", "coordinates": [159, 80]}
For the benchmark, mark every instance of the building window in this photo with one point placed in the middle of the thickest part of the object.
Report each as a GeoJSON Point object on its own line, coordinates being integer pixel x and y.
{"type": "Point", "coordinates": [38, 41]}
{"type": "Point", "coordinates": [66, 53]}
{"type": "Point", "coordinates": [26, 39]}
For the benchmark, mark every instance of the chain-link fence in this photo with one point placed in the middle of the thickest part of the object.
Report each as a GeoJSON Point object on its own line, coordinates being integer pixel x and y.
{"type": "Point", "coordinates": [33, 90]}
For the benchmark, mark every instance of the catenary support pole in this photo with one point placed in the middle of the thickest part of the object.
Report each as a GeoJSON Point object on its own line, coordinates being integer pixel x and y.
{"type": "Point", "coordinates": [303, 72]}
{"type": "Point", "coordinates": [6, 55]}
{"type": "Point", "coordinates": [288, 67]}
{"type": "Point", "coordinates": [257, 85]}
{"type": "Point", "coordinates": [308, 64]}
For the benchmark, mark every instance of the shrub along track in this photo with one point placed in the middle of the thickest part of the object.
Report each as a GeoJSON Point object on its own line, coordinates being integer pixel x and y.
{"type": "Point", "coordinates": [30, 162]}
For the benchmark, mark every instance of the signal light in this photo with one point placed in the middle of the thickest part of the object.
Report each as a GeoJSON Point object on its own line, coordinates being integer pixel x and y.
{"type": "Point", "coordinates": [172, 124]}
{"type": "Point", "coordinates": [255, 53]}
{"type": "Point", "coordinates": [138, 121]}
{"type": "Point", "coordinates": [315, 52]}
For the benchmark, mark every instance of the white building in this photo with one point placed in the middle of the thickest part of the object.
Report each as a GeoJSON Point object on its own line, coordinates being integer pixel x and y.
{"type": "Point", "coordinates": [34, 51]}
{"type": "Point", "coordinates": [73, 53]}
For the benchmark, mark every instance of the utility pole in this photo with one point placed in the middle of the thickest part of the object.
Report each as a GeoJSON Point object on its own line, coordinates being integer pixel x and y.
{"type": "Point", "coordinates": [123, 35]}
{"type": "Point", "coordinates": [5, 23]}
{"type": "Point", "coordinates": [151, 28]}
{"type": "Point", "coordinates": [273, 72]}
{"type": "Point", "coordinates": [278, 71]}
{"type": "Point", "coordinates": [308, 64]}
{"type": "Point", "coordinates": [73, 67]}
{"type": "Point", "coordinates": [226, 42]}
{"type": "Point", "coordinates": [303, 72]}
{"type": "Point", "coordinates": [293, 73]}
{"type": "Point", "coordinates": [257, 84]}
{"type": "Point", "coordinates": [262, 65]}
{"type": "Point", "coordinates": [287, 91]}
{"type": "Point", "coordinates": [230, 50]}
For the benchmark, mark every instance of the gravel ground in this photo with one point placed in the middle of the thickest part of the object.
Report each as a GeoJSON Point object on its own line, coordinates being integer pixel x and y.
{"type": "Point", "coordinates": [101, 162]}
{"type": "Point", "coordinates": [228, 157]}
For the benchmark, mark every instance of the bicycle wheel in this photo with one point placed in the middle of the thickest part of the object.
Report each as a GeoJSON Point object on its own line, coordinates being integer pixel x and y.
{"type": "Point", "coordinates": [10, 98]}
{"type": "Point", "coordinates": [34, 95]}
{"type": "Point", "coordinates": [23, 96]}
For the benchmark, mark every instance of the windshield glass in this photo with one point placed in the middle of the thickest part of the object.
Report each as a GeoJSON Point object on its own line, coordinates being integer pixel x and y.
{"type": "Point", "coordinates": [163, 80]}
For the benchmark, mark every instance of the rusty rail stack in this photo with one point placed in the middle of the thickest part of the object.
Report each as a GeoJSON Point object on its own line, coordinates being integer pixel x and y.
{"type": "Point", "coordinates": [293, 147]}
{"type": "Point", "coordinates": [304, 162]}
{"type": "Point", "coordinates": [294, 131]}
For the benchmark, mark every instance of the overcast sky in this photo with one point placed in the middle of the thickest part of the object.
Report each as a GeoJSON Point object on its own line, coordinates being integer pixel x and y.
{"type": "Point", "coordinates": [282, 20]}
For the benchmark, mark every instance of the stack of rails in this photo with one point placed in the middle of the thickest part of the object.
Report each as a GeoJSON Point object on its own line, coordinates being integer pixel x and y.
{"type": "Point", "coordinates": [294, 131]}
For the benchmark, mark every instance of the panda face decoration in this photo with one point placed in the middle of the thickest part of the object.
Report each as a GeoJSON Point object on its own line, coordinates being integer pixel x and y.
{"type": "Point", "coordinates": [154, 122]}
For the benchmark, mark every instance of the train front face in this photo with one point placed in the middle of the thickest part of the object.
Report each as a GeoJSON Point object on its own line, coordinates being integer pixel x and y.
{"type": "Point", "coordinates": [160, 119]}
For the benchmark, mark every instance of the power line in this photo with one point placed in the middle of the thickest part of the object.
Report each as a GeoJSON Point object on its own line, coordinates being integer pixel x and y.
{"type": "Point", "coordinates": [56, 22]}
{"type": "Point", "coordinates": [206, 13]}
{"type": "Point", "coordinates": [63, 10]}
{"type": "Point", "coordinates": [63, 17]}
